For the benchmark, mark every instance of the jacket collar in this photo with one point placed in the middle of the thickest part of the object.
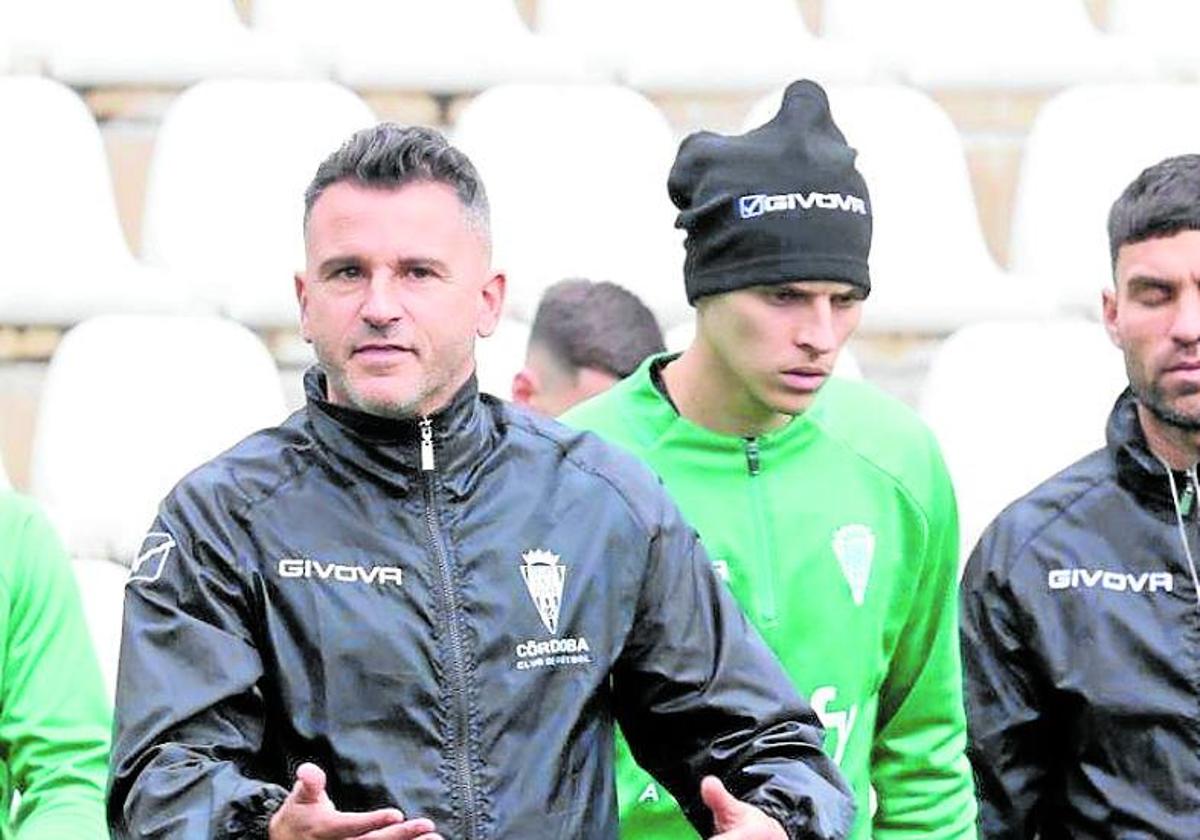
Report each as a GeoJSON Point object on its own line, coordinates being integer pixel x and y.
{"type": "Point", "coordinates": [1138, 470]}
{"type": "Point", "coordinates": [390, 449]}
{"type": "Point", "coordinates": [659, 412]}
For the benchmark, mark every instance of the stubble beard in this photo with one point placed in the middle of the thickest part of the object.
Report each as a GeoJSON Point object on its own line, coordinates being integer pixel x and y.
{"type": "Point", "coordinates": [1151, 396]}
{"type": "Point", "coordinates": [338, 381]}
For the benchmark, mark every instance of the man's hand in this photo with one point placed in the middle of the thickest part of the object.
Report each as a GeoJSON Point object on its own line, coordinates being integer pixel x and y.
{"type": "Point", "coordinates": [308, 814]}
{"type": "Point", "coordinates": [734, 819]}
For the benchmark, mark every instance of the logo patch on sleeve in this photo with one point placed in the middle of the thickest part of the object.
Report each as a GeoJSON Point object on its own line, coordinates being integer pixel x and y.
{"type": "Point", "coordinates": [152, 556]}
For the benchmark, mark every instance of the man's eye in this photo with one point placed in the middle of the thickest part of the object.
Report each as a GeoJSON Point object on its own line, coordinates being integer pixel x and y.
{"type": "Point", "coordinates": [845, 301]}
{"type": "Point", "coordinates": [1153, 295]}
{"type": "Point", "coordinates": [348, 272]}
{"type": "Point", "coordinates": [420, 272]}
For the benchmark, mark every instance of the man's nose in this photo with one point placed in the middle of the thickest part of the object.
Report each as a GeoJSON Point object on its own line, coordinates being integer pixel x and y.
{"type": "Point", "coordinates": [1186, 327]}
{"type": "Point", "coordinates": [381, 303]}
{"type": "Point", "coordinates": [816, 332]}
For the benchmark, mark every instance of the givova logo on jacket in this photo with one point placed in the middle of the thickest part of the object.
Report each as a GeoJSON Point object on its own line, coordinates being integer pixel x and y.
{"type": "Point", "coordinates": [545, 579]}
{"type": "Point", "coordinates": [1112, 581]}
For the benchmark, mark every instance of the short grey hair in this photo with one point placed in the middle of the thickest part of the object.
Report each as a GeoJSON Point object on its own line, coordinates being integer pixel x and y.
{"type": "Point", "coordinates": [390, 156]}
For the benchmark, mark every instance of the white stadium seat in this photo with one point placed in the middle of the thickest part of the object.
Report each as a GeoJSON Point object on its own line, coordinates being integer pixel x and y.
{"type": "Point", "coordinates": [1005, 44]}
{"type": "Point", "coordinates": [679, 338]}
{"type": "Point", "coordinates": [1166, 28]}
{"type": "Point", "coordinates": [63, 256]}
{"type": "Point", "coordinates": [448, 46]}
{"type": "Point", "coordinates": [499, 356]}
{"type": "Point", "coordinates": [102, 588]}
{"type": "Point", "coordinates": [930, 267]}
{"type": "Point", "coordinates": [698, 45]}
{"type": "Point", "coordinates": [1012, 403]}
{"type": "Point", "coordinates": [146, 42]}
{"type": "Point", "coordinates": [132, 403]}
{"type": "Point", "coordinates": [577, 177]}
{"type": "Point", "coordinates": [225, 190]}
{"type": "Point", "coordinates": [1084, 147]}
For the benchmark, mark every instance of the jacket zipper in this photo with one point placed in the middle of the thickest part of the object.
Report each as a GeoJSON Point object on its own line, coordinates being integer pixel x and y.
{"type": "Point", "coordinates": [461, 745]}
{"type": "Point", "coordinates": [764, 596]}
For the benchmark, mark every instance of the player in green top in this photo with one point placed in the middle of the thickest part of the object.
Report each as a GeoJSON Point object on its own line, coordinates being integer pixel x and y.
{"type": "Point", "coordinates": [825, 504]}
{"type": "Point", "coordinates": [54, 715]}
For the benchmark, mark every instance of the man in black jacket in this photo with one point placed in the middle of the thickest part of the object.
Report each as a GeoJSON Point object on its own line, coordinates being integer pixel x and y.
{"type": "Point", "coordinates": [1081, 604]}
{"type": "Point", "coordinates": [413, 600]}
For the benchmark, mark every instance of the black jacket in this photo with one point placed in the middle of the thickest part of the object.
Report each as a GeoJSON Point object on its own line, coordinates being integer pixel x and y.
{"type": "Point", "coordinates": [455, 641]}
{"type": "Point", "coordinates": [1081, 646]}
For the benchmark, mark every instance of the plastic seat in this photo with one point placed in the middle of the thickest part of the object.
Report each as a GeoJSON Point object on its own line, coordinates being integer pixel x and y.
{"type": "Point", "coordinates": [449, 46]}
{"type": "Point", "coordinates": [63, 256]}
{"type": "Point", "coordinates": [225, 191]}
{"type": "Point", "coordinates": [578, 191]}
{"type": "Point", "coordinates": [102, 588]}
{"type": "Point", "coordinates": [1005, 44]}
{"type": "Point", "coordinates": [699, 45]}
{"type": "Point", "coordinates": [147, 42]}
{"type": "Point", "coordinates": [1166, 28]}
{"type": "Point", "coordinates": [1012, 403]}
{"type": "Point", "coordinates": [1078, 158]}
{"type": "Point", "coordinates": [931, 271]}
{"type": "Point", "coordinates": [499, 356]}
{"type": "Point", "coordinates": [129, 405]}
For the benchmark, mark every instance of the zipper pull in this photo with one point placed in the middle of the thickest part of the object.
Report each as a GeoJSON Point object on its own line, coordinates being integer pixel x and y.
{"type": "Point", "coordinates": [1189, 497]}
{"type": "Point", "coordinates": [427, 462]}
{"type": "Point", "coordinates": [752, 462]}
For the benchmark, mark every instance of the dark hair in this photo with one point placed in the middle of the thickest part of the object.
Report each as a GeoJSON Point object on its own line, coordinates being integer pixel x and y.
{"type": "Point", "coordinates": [1162, 201]}
{"type": "Point", "coordinates": [391, 155]}
{"type": "Point", "coordinates": [595, 325]}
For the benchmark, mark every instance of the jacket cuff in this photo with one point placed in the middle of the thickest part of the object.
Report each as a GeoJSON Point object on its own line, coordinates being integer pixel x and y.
{"type": "Point", "coordinates": [780, 815]}
{"type": "Point", "coordinates": [253, 820]}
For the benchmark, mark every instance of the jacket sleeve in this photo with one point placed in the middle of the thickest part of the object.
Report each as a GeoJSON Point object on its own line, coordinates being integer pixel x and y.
{"type": "Point", "coordinates": [1011, 742]}
{"type": "Point", "coordinates": [919, 767]}
{"type": "Point", "coordinates": [190, 713]}
{"type": "Point", "coordinates": [697, 692]}
{"type": "Point", "coordinates": [55, 719]}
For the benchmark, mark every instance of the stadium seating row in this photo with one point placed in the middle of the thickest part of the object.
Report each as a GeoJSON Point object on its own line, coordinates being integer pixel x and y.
{"type": "Point", "coordinates": [186, 387]}
{"type": "Point", "coordinates": [455, 46]}
{"type": "Point", "coordinates": [575, 175]}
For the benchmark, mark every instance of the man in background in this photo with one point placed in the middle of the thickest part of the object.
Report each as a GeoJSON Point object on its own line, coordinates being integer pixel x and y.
{"type": "Point", "coordinates": [1081, 602]}
{"type": "Point", "coordinates": [54, 715]}
{"type": "Point", "coordinates": [585, 337]}
{"type": "Point", "coordinates": [825, 504]}
{"type": "Point", "coordinates": [412, 612]}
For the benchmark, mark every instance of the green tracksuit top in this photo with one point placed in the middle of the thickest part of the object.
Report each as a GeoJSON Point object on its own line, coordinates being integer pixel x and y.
{"type": "Point", "coordinates": [54, 714]}
{"type": "Point", "coordinates": [838, 535]}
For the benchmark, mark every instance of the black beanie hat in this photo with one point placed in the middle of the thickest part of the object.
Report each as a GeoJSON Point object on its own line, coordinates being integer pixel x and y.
{"type": "Point", "coordinates": [774, 205]}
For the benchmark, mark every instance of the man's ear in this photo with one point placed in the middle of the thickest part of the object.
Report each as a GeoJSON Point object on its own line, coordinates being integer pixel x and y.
{"type": "Point", "coordinates": [524, 386]}
{"type": "Point", "coordinates": [302, 300]}
{"type": "Point", "coordinates": [491, 304]}
{"type": "Point", "coordinates": [1108, 306]}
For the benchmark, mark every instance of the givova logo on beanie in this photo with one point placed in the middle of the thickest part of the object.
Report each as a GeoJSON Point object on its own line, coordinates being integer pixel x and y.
{"type": "Point", "coordinates": [750, 206]}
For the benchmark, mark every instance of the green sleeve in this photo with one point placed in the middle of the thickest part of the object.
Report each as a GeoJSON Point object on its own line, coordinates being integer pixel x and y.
{"type": "Point", "coordinates": [920, 772]}
{"type": "Point", "coordinates": [55, 717]}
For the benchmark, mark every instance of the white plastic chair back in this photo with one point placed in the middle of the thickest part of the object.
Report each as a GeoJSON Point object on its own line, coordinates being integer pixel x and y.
{"type": "Point", "coordinates": [1012, 403]}
{"type": "Point", "coordinates": [102, 588]}
{"type": "Point", "coordinates": [576, 176]}
{"type": "Point", "coordinates": [129, 405]}
{"type": "Point", "coordinates": [1079, 157]}
{"type": "Point", "coordinates": [225, 190]}
{"type": "Point", "coordinates": [63, 254]}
